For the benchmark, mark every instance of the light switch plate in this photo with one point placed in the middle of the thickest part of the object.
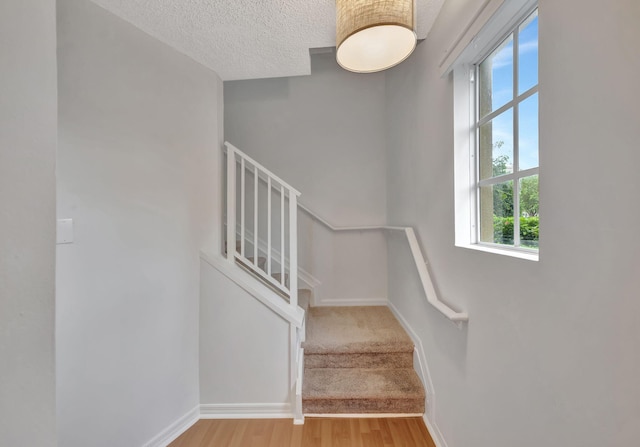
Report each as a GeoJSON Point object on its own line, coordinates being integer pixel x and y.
{"type": "Point", "coordinates": [64, 231]}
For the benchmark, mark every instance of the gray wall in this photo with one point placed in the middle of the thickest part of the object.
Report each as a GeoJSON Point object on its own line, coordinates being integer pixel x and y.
{"type": "Point", "coordinates": [137, 171]}
{"type": "Point", "coordinates": [244, 346]}
{"type": "Point", "coordinates": [550, 355]}
{"type": "Point", "coordinates": [27, 219]}
{"type": "Point", "coordinates": [325, 135]}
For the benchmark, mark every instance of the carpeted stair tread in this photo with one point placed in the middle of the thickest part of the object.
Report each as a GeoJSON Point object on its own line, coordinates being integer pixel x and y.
{"type": "Point", "coordinates": [278, 278]}
{"type": "Point", "coordinates": [361, 383]}
{"type": "Point", "coordinates": [262, 261]}
{"type": "Point", "coordinates": [359, 329]}
{"type": "Point", "coordinates": [361, 390]}
{"type": "Point", "coordinates": [360, 360]}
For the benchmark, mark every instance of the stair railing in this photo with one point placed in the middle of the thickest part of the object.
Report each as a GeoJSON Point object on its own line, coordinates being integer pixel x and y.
{"type": "Point", "coordinates": [418, 258]}
{"type": "Point", "coordinates": [240, 167]}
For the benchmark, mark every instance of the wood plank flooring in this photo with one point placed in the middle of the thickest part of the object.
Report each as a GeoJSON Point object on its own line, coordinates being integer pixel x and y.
{"type": "Point", "coordinates": [316, 432]}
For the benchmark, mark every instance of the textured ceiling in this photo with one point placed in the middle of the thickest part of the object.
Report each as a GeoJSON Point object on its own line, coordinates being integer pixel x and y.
{"type": "Point", "coordinates": [246, 39]}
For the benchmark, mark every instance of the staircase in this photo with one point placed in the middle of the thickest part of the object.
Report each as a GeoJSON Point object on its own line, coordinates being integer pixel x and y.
{"type": "Point", "coordinates": [359, 360]}
{"type": "Point", "coordinates": [345, 360]}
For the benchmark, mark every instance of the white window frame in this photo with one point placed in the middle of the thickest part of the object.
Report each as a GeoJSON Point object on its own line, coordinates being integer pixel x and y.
{"type": "Point", "coordinates": [495, 28]}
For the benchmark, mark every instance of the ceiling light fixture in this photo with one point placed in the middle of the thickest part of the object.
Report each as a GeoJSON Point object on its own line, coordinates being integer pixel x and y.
{"type": "Point", "coordinates": [373, 35]}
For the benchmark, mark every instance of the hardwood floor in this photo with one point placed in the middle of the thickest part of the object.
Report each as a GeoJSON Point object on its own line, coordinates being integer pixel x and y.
{"type": "Point", "coordinates": [316, 432]}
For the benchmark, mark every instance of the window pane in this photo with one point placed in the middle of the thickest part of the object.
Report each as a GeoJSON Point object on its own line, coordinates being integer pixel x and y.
{"type": "Point", "coordinates": [496, 213]}
{"type": "Point", "coordinates": [529, 211]}
{"type": "Point", "coordinates": [528, 54]}
{"type": "Point", "coordinates": [528, 133]}
{"type": "Point", "coordinates": [496, 78]}
{"type": "Point", "coordinates": [496, 146]}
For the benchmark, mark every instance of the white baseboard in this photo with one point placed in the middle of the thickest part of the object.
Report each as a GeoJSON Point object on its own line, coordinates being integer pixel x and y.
{"type": "Point", "coordinates": [246, 411]}
{"type": "Point", "coordinates": [351, 302]}
{"type": "Point", "coordinates": [171, 433]}
{"type": "Point", "coordinates": [307, 278]}
{"type": "Point", "coordinates": [434, 431]}
{"type": "Point", "coordinates": [423, 371]}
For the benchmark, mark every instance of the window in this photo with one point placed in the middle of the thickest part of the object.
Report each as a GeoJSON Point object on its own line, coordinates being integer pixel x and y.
{"type": "Point", "coordinates": [506, 132]}
{"type": "Point", "coordinates": [496, 131]}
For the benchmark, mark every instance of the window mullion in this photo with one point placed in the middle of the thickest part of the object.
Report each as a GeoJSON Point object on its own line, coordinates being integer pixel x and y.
{"type": "Point", "coordinates": [499, 179]}
{"type": "Point", "coordinates": [532, 91]}
{"type": "Point", "coordinates": [507, 177]}
{"type": "Point", "coordinates": [495, 113]}
{"type": "Point", "coordinates": [516, 142]}
{"type": "Point", "coordinates": [516, 212]}
{"type": "Point", "coordinates": [475, 154]}
{"type": "Point", "coordinates": [496, 180]}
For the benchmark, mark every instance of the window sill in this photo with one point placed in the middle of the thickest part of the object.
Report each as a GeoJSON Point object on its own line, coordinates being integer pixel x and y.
{"type": "Point", "coordinates": [513, 252]}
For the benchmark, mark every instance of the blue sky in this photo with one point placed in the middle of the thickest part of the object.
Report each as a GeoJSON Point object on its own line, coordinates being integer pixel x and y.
{"type": "Point", "coordinates": [502, 92]}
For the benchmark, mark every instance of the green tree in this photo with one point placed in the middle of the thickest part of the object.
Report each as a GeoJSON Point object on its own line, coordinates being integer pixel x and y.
{"type": "Point", "coordinates": [502, 192]}
{"type": "Point", "coordinates": [501, 162]}
{"type": "Point", "coordinates": [529, 197]}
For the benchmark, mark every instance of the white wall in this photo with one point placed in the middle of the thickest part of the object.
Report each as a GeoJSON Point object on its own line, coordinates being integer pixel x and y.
{"type": "Point", "coordinates": [325, 135]}
{"type": "Point", "coordinates": [27, 219]}
{"type": "Point", "coordinates": [137, 172]}
{"type": "Point", "coordinates": [244, 346]}
{"type": "Point", "coordinates": [550, 354]}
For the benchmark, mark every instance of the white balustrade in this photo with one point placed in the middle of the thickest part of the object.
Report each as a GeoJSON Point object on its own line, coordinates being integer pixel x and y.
{"type": "Point", "coordinates": [261, 236]}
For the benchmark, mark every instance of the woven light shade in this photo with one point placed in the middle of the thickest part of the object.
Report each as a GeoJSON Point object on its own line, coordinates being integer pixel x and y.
{"type": "Point", "coordinates": [373, 35]}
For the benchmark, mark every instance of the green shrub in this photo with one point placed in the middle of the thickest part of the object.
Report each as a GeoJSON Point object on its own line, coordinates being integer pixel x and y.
{"type": "Point", "coordinates": [503, 230]}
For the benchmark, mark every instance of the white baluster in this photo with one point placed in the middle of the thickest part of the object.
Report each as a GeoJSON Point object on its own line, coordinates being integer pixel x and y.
{"type": "Point", "coordinates": [293, 248]}
{"type": "Point", "coordinates": [282, 235]}
{"type": "Point", "coordinates": [242, 199]}
{"type": "Point", "coordinates": [231, 204]}
{"type": "Point", "coordinates": [255, 216]}
{"type": "Point", "coordinates": [269, 226]}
